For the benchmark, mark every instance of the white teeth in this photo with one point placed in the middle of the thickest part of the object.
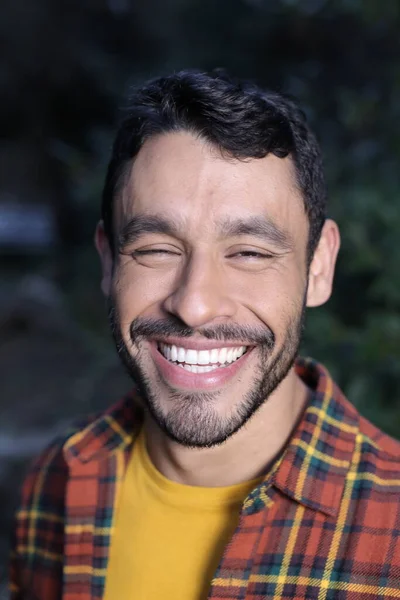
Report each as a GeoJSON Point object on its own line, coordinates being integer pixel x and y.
{"type": "Point", "coordinates": [198, 368]}
{"type": "Point", "coordinates": [222, 355]}
{"type": "Point", "coordinates": [174, 353]}
{"type": "Point", "coordinates": [203, 357]}
{"type": "Point", "coordinates": [214, 356]}
{"type": "Point", "coordinates": [190, 359]}
{"type": "Point", "coordinates": [238, 352]}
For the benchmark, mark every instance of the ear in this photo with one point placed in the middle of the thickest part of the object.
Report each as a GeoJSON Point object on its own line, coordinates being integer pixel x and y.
{"type": "Point", "coordinates": [103, 248]}
{"type": "Point", "coordinates": [322, 267]}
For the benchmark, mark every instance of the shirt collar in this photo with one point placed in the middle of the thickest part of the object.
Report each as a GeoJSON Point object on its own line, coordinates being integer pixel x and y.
{"type": "Point", "coordinates": [115, 430]}
{"type": "Point", "coordinates": [315, 463]}
{"type": "Point", "coordinates": [311, 470]}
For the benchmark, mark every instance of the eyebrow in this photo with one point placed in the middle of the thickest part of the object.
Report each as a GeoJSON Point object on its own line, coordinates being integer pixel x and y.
{"type": "Point", "coordinates": [142, 224]}
{"type": "Point", "coordinates": [261, 227]}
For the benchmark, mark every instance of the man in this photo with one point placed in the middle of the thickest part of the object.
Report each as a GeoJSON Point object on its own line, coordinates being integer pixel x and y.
{"type": "Point", "coordinates": [234, 469]}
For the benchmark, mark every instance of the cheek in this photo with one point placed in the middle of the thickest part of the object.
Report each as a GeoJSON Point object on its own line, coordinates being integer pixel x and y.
{"type": "Point", "coordinates": [137, 291]}
{"type": "Point", "coordinates": [276, 301]}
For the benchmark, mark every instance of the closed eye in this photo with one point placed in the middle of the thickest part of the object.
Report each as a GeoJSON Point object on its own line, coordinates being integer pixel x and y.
{"type": "Point", "coordinates": [252, 254]}
{"type": "Point", "coordinates": [154, 251]}
{"type": "Point", "coordinates": [156, 257]}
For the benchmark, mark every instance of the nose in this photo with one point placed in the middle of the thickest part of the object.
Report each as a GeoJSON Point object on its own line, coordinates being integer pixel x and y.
{"type": "Point", "coordinates": [200, 294]}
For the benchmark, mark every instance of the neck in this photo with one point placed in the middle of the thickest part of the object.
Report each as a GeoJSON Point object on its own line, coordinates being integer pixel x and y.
{"type": "Point", "coordinates": [248, 454]}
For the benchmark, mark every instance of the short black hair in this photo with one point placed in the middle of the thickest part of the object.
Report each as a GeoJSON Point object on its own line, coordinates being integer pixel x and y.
{"type": "Point", "coordinates": [238, 117]}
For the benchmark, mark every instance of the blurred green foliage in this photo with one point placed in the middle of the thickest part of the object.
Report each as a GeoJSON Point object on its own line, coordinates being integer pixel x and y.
{"type": "Point", "coordinates": [68, 64]}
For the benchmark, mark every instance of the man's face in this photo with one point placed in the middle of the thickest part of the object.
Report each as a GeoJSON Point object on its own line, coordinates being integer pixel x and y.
{"type": "Point", "coordinates": [209, 282]}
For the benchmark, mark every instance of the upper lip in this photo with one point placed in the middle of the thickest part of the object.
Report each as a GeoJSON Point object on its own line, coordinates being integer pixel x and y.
{"type": "Point", "coordinates": [196, 344]}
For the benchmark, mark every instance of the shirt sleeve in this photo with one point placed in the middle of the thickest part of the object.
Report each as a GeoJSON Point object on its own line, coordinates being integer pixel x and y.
{"type": "Point", "coordinates": [37, 543]}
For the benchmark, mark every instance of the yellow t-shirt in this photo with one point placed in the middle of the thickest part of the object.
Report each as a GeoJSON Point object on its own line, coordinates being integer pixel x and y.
{"type": "Point", "coordinates": [169, 537]}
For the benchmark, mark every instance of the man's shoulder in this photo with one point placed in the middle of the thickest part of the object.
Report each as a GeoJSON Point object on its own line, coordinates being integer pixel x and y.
{"type": "Point", "coordinates": [386, 445]}
{"type": "Point", "coordinates": [376, 449]}
{"type": "Point", "coordinates": [37, 549]}
{"type": "Point", "coordinates": [379, 462]}
{"type": "Point", "coordinates": [51, 468]}
{"type": "Point", "coordinates": [41, 508]}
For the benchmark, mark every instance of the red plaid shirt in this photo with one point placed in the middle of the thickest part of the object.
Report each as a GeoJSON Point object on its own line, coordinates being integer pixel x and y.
{"type": "Point", "coordinates": [324, 523]}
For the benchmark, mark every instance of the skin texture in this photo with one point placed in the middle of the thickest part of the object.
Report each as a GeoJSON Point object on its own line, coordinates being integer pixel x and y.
{"type": "Point", "coordinates": [212, 248]}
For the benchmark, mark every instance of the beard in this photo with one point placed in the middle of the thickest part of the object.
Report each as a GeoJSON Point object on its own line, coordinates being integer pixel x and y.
{"type": "Point", "coordinates": [193, 419]}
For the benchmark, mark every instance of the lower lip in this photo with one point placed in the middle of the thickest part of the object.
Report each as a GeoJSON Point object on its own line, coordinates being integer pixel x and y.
{"type": "Point", "coordinates": [178, 377]}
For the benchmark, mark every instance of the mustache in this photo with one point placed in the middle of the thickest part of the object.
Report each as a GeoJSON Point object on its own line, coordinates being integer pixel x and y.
{"type": "Point", "coordinates": [154, 328]}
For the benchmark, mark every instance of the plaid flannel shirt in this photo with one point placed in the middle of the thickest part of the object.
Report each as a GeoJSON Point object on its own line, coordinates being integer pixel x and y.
{"type": "Point", "coordinates": [324, 524]}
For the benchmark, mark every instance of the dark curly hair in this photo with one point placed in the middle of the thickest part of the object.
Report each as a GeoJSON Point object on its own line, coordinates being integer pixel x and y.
{"type": "Point", "coordinates": [238, 117]}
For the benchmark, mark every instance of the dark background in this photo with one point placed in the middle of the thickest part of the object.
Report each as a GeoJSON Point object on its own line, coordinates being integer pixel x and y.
{"type": "Point", "coordinates": [65, 67]}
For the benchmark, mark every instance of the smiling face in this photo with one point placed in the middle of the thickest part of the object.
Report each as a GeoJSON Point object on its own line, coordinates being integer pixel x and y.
{"type": "Point", "coordinates": [208, 283]}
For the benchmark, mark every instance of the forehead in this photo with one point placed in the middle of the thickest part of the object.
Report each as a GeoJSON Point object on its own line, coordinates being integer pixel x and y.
{"type": "Point", "coordinates": [182, 176]}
